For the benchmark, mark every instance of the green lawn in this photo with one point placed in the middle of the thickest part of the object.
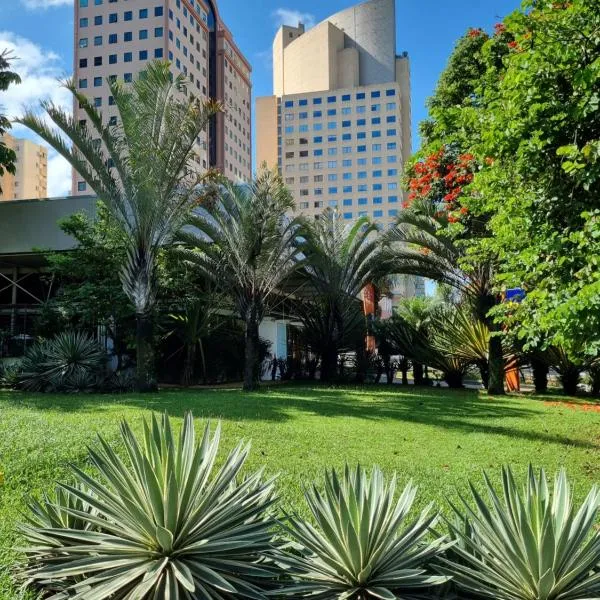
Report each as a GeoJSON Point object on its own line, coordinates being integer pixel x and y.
{"type": "Point", "coordinates": [437, 437]}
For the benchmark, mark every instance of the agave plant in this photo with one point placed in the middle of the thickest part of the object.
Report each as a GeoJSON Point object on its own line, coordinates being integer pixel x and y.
{"type": "Point", "coordinates": [70, 361]}
{"type": "Point", "coordinates": [159, 523]}
{"type": "Point", "coordinates": [362, 546]}
{"type": "Point", "coordinates": [529, 545]}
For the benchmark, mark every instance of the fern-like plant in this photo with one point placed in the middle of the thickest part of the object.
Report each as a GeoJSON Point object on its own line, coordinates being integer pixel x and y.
{"type": "Point", "coordinates": [363, 545]}
{"type": "Point", "coordinates": [529, 544]}
{"type": "Point", "coordinates": [158, 522]}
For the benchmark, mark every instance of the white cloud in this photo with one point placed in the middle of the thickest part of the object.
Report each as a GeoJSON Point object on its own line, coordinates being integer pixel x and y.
{"type": "Point", "coordinates": [44, 4]}
{"type": "Point", "coordinates": [40, 71]}
{"type": "Point", "coordinates": [288, 16]}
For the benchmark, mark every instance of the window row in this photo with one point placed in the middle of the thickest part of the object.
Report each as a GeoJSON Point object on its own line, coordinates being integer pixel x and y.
{"type": "Point", "coordinates": [290, 129]}
{"type": "Point", "coordinates": [343, 97]}
{"type": "Point", "coordinates": [113, 38]}
{"type": "Point", "coordinates": [318, 114]}
{"type": "Point", "coordinates": [143, 13]}
{"type": "Point", "coordinates": [377, 187]}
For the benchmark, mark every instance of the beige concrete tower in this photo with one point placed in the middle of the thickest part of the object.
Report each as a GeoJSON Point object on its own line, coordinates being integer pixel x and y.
{"type": "Point", "coordinates": [30, 180]}
{"type": "Point", "coordinates": [117, 38]}
{"type": "Point", "coordinates": [338, 126]}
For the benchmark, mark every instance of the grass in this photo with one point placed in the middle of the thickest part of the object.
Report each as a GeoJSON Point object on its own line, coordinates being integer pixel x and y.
{"type": "Point", "coordinates": [437, 437]}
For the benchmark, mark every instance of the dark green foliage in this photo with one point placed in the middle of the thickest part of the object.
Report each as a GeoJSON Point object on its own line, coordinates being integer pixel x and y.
{"type": "Point", "coordinates": [70, 362]}
{"type": "Point", "coordinates": [7, 78]}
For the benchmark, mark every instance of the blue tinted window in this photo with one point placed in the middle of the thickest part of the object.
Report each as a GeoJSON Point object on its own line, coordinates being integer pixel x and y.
{"type": "Point", "coordinates": [331, 99]}
{"type": "Point", "coordinates": [377, 187]}
{"type": "Point", "coordinates": [377, 213]}
{"type": "Point", "coordinates": [377, 200]}
{"type": "Point", "coordinates": [360, 96]}
{"type": "Point", "coordinates": [347, 202]}
{"type": "Point", "coordinates": [97, 102]}
{"type": "Point", "coordinates": [318, 152]}
{"type": "Point", "coordinates": [361, 135]}
{"type": "Point", "coordinates": [393, 212]}
{"type": "Point", "coordinates": [317, 140]}
{"type": "Point", "coordinates": [128, 57]}
{"type": "Point", "coordinates": [332, 138]}
{"type": "Point", "coordinates": [391, 145]}
{"type": "Point", "coordinates": [362, 201]}
{"type": "Point", "coordinates": [376, 134]}
{"type": "Point", "coordinates": [347, 189]}
{"type": "Point", "coordinates": [158, 53]}
{"type": "Point", "coordinates": [347, 215]}
{"type": "Point", "coordinates": [392, 199]}
{"type": "Point", "coordinates": [346, 98]}
{"type": "Point", "coordinates": [390, 119]}
{"type": "Point", "coordinates": [143, 34]}
{"type": "Point", "coordinates": [361, 148]}
{"type": "Point", "coordinates": [83, 22]}
{"type": "Point", "coordinates": [333, 203]}
{"type": "Point", "coordinates": [346, 123]}
{"type": "Point", "coordinates": [128, 15]}
{"type": "Point", "coordinates": [112, 59]}
{"type": "Point", "coordinates": [317, 114]}
{"type": "Point", "coordinates": [375, 120]}
{"type": "Point", "coordinates": [143, 54]}
{"type": "Point", "coordinates": [128, 36]}
{"type": "Point", "coordinates": [83, 3]}
{"type": "Point", "coordinates": [347, 162]}
{"type": "Point", "coordinates": [362, 187]}
{"type": "Point", "coordinates": [361, 122]}
{"type": "Point", "coordinates": [83, 84]}
{"type": "Point", "coordinates": [346, 137]}
{"type": "Point", "coordinates": [303, 128]}
{"type": "Point", "coordinates": [128, 77]}
{"type": "Point", "coordinates": [377, 173]}
{"type": "Point", "coordinates": [332, 190]}
{"type": "Point", "coordinates": [158, 32]}
{"type": "Point", "coordinates": [303, 115]}
{"type": "Point", "coordinates": [347, 176]}
{"type": "Point", "coordinates": [392, 186]}
{"type": "Point", "coordinates": [392, 172]}
{"type": "Point", "coordinates": [98, 20]}
{"type": "Point", "coordinates": [317, 126]}
{"type": "Point", "coordinates": [81, 185]}
{"type": "Point", "coordinates": [158, 11]}
{"type": "Point", "coordinates": [98, 40]}
{"type": "Point", "coordinates": [97, 81]}
{"type": "Point", "coordinates": [375, 107]}
{"type": "Point", "coordinates": [331, 112]}
{"type": "Point", "coordinates": [375, 94]}
{"type": "Point", "coordinates": [390, 92]}
{"type": "Point", "coordinates": [143, 13]}
{"type": "Point", "coordinates": [289, 129]}
{"type": "Point", "coordinates": [362, 174]}
{"type": "Point", "coordinates": [391, 132]}
{"type": "Point", "coordinates": [317, 100]}
{"type": "Point", "coordinates": [289, 103]}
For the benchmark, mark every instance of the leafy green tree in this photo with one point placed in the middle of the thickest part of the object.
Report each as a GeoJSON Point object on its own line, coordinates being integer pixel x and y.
{"type": "Point", "coordinates": [7, 78]}
{"type": "Point", "coordinates": [540, 175]}
{"type": "Point", "coordinates": [341, 260]}
{"type": "Point", "coordinates": [244, 243]}
{"type": "Point", "coordinates": [144, 168]}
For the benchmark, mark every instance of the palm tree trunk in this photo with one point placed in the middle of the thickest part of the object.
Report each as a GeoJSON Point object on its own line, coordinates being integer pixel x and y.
{"type": "Point", "coordinates": [418, 373]}
{"type": "Point", "coordinates": [496, 366]}
{"type": "Point", "coordinates": [329, 359]}
{"type": "Point", "coordinates": [252, 340]}
{"type": "Point", "coordinates": [188, 367]}
{"type": "Point", "coordinates": [540, 375]}
{"type": "Point", "coordinates": [146, 368]}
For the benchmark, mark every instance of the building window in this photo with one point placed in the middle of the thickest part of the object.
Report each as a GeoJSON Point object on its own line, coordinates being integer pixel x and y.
{"type": "Point", "coordinates": [362, 174]}
{"type": "Point", "coordinates": [362, 201]}
{"type": "Point", "coordinates": [378, 213]}
{"type": "Point", "coordinates": [143, 34]}
{"type": "Point", "coordinates": [332, 138]}
{"type": "Point", "coordinates": [112, 59]}
{"type": "Point", "coordinates": [346, 137]}
{"type": "Point", "coordinates": [392, 186]}
{"type": "Point", "coordinates": [347, 201]}
{"type": "Point", "coordinates": [112, 38]}
{"type": "Point", "coordinates": [347, 216]}
{"type": "Point", "coordinates": [128, 36]}
{"type": "Point", "coordinates": [143, 13]}
{"type": "Point", "coordinates": [97, 81]}
{"type": "Point", "coordinates": [98, 20]}
{"type": "Point", "coordinates": [376, 133]}
{"type": "Point", "coordinates": [81, 186]}
{"type": "Point", "coordinates": [128, 77]}
{"type": "Point", "coordinates": [318, 127]}
{"type": "Point", "coordinates": [346, 98]}
{"type": "Point", "coordinates": [97, 61]}
{"type": "Point", "coordinates": [391, 106]}
{"type": "Point", "coordinates": [346, 123]}
{"type": "Point", "coordinates": [303, 102]}
{"type": "Point", "coordinates": [361, 148]}
{"type": "Point", "coordinates": [377, 187]}
{"type": "Point", "coordinates": [83, 42]}
{"type": "Point", "coordinates": [317, 100]}
{"type": "Point", "coordinates": [82, 63]}
{"type": "Point", "coordinates": [377, 200]}
{"type": "Point", "coordinates": [318, 152]}
{"type": "Point", "coordinates": [392, 199]}
{"type": "Point", "coordinates": [375, 94]}
{"type": "Point", "coordinates": [143, 55]}
{"type": "Point", "coordinates": [112, 121]}
{"type": "Point", "coordinates": [331, 99]}
{"type": "Point", "coordinates": [113, 18]}
{"type": "Point", "coordinates": [390, 119]}
{"type": "Point", "coordinates": [332, 125]}
{"type": "Point", "coordinates": [392, 172]}
{"type": "Point", "coordinates": [331, 112]}
{"type": "Point", "coordinates": [83, 3]}
{"type": "Point", "coordinates": [158, 53]}
{"type": "Point", "coordinates": [83, 22]}
{"type": "Point", "coordinates": [347, 162]}
{"type": "Point", "coordinates": [303, 115]}
{"type": "Point", "coordinates": [375, 107]}
{"type": "Point", "coordinates": [158, 11]}
{"type": "Point", "coordinates": [158, 32]}
{"type": "Point", "coordinates": [390, 92]}
{"type": "Point", "coordinates": [128, 15]}
{"type": "Point", "coordinates": [289, 103]}
{"type": "Point", "coordinates": [97, 102]}
{"type": "Point", "coordinates": [376, 121]}
{"type": "Point", "coordinates": [98, 40]}
{"type": "Point", "coordinates": [391, 132]}
{"type": "Point", "coordinates": [332, 151]}
{"type": "Point", "coordinates": [128, 57]}
{"type": "Point", "coordinates": [318, 139]}
{"type": "Point", "coordinates": [82, 84]}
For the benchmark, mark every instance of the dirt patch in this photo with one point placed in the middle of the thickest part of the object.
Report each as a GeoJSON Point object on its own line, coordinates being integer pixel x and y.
{"type": "Point", "coordinates": [575, 406]}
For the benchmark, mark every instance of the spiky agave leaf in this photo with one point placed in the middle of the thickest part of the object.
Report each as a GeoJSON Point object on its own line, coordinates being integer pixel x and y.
{"type": "Point", "coordinates": [362, 545]}
{"type": "Point", "coordinates": [527, 545]}
{"type": "Point", "coordinates": [165, 523]}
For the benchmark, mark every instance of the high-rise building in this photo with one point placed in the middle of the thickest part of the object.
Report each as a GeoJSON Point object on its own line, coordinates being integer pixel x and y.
{"type": "Point", "coordinates": [30, 180]}
{"type": "Point", "coordinates": [117, 38]}
{"type": "Point", "coordinates": [338, 123]}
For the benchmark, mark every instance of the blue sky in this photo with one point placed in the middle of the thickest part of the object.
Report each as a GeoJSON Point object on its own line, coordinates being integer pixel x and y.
{"type": "Point", "coordinates": [40, 31]}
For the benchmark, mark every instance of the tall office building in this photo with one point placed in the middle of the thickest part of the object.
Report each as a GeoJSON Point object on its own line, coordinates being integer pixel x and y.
{"type": "Point", "coordinates": [338, 124]}
{"type": "Point", "coordinates": [117, 38]}
{"type": "Point", "coordinates": [30, 180]}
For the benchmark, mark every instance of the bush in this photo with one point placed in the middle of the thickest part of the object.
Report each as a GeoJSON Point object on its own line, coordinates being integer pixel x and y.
{"type": "Point", "coordinates": [72, 361]}
{"type": "Point", "coordinates": [164, 523]}
{"type": "Point", "coordinates": [528, 545]}
{"type": "Point", "coordinates": [362, 546]}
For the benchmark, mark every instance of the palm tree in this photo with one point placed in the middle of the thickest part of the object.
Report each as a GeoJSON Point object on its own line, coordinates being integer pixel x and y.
{"type": "Point", "coordinates": [7, 78]}
{"type": "Point", "coordinates": [417, 245]}
{"type": "Point", "coordinates": [244, 243]}
{"type": "Point", "coordinates": [340, 261]}
{"type": "Point", "coordinates": [144, 168]}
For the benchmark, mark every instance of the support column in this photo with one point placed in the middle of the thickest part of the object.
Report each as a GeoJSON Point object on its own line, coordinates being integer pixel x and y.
{"type": "Point", "coordinates": [13, 309]}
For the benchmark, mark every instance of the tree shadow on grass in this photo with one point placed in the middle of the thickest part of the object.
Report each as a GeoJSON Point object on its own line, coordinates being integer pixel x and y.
{"type": "Point", "coordinates": [459, 410]}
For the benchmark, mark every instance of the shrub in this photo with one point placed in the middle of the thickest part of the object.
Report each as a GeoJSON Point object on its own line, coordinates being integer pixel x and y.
{"type": "Point", "coordinates": [529, 545]}
{"type": "Point", "coordinates": [362, 546]}
{"type": "Point", "coordinates": [71, 361]}
{"type": "Point", "coordinates": [161, 523]}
